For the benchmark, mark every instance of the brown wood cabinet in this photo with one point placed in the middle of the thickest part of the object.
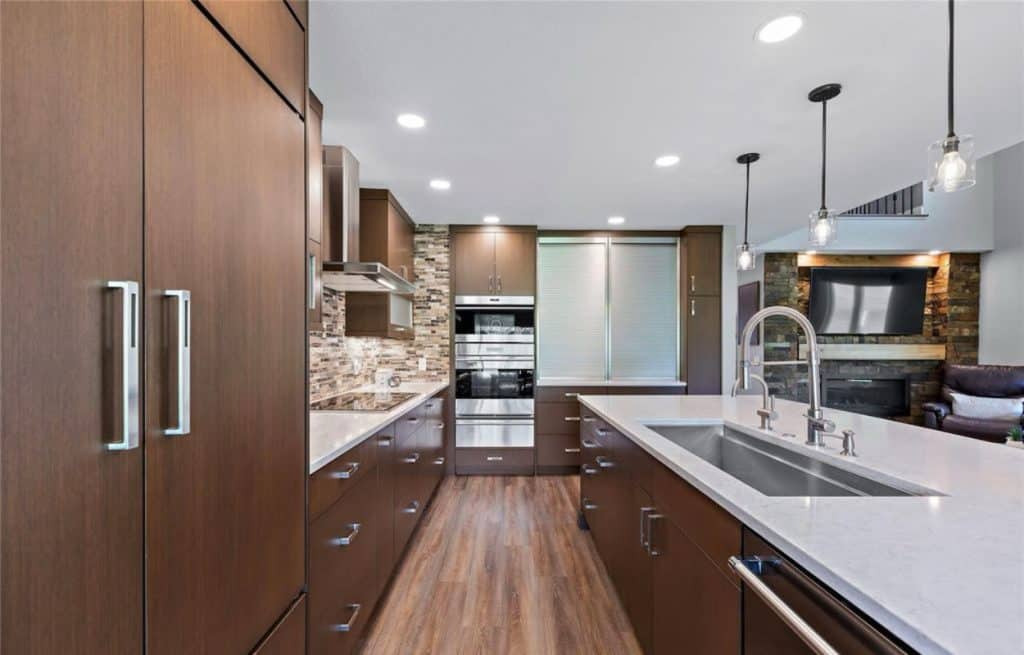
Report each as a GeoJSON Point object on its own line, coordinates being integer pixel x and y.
{"type": "Point", "coordinates": [289, 635]}
{"type": "Point", "coordinates": [314, 166]}
{"type": "Point", "coordinates": [225, 220]}
{"type": "Point", "coordinates": [387, 315]}
{"type": "Point", "coordinates": [701, 296]}
{"type": "Point", "coordinates": [386, 232]}
{"type": "Point", "coordinates": [490, 261]}
{"type": "Point", "coordinates": [71, 524]}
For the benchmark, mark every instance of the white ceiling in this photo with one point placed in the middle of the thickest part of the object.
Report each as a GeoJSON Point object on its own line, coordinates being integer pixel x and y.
{"type": "Point", "coordinates": [551, 113]}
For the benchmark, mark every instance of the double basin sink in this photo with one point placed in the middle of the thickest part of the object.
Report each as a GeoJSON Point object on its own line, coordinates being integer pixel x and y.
{"type": "Point", "coordinates": [775, 470]}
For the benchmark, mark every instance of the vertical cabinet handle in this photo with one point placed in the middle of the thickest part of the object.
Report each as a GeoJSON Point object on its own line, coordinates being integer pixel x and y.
{"type": "Point", "coordinates": [693, 307]}
{"type": "Point", "coordinates": [693, 283]}
{"type": "Point", "coordinates": [347, 626]}
{"type": "Point", "coordinates": [651, 518]}
{"type": "Point", "coordinates": [129, 392]}
{"type": "Point", "coordinates": [645, 540]}
{"type": "Point", "coordinates": [183, 363]}
{"type": "Point", "coordinates": [499, 284]}
{"type": "Point", "coordinates": [490, 284]}
{"type": "Point", "coordinates": [311, 301]}
{"type": "Point", "coordinates": [349, 539]}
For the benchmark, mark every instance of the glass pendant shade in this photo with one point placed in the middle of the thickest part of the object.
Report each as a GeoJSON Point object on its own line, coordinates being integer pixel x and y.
{"type": "Point", "coordinates": [746, 259]}
{"type": "Point", "coordinates": [951, 165]}
{"type": "Point", "coordinates": [823, 227]}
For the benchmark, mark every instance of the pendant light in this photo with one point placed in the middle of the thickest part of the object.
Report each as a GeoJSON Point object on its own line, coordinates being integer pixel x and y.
{"type": "Point", "coordinates": [746, 259]}
{"type": "Point", "coordinates": [951, 160]}
{"type": "Point", "coordinates": [823, 226]}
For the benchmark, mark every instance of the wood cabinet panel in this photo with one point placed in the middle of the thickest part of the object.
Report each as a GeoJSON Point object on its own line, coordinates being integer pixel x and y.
{"type": "Point", "coordinates": [633, 390]}
{"type": "Point", "coordinates": [567, 394]}
{"type": "Point", "coordinates": [272, 38]}
{"type": "Point", "coordinates": [343, 571]}
{"type": "Point", "coordinates": [704, 262]}
{"type": "Point", "coordinates": [709, 526]}
{"type": "Point", "coordinates": [558, 450]}
{"type": "Point", "coordinates": [385, 506]}
{"type": "Point", "coordinates": [289, 635]}
{"type": "Point", "coordinates": [558, 418]}
{"type": "Point", "coordinates": [515, 262]}
{"type": "Point", "coordinates": [637, 565]}
{"type": "Point", "coordinates": [334, 480]}
{"type": "Point", "coordinates": [494, 461]}
{"type": "Point", "coordinates": [314, 166]}
{"type": "Point", "coordinates": [401, 237]}
{"type": "Point", "coordinates": [71, 521]}
{"type": "Point", "coordinates": [225, 502]}
{"type": "Point", "coordinates": [695, 605]}
{"type": "Point", "coordinates": [703, 362]}
{"type": "Point", "coordinates": [409, 503]}
{"type": "Point", "coordinates": [387, 233]}
{"type": "Point", "coordinates": [473, 263]}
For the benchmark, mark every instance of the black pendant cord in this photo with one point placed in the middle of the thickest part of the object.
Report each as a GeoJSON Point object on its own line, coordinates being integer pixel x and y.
{"type": "Point", "coordinates": [746, 208]}
{"type": "Point", "coordinates": [824, 124]}
{"type": "Point", "coordinates": [949, 98]}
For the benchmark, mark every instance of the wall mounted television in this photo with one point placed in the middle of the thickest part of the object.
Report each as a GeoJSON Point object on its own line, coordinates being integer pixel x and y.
{"type": "Point", "coordinates": [868, 300]}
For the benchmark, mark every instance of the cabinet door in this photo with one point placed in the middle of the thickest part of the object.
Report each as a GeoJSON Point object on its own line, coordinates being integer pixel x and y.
{"type": "Point", "coordinates": [636, 566]}
{"type": "Point", "coordinates": [474, 263]}
{"type": "Point", "coordinates": [385, 508]}
{"type": "Point", "coordinates": [289, 635]}
{"type": "Point", "coordinates": [225, 219]}
{"type": "Point", "coordinates": [704, 345]}
{"type": "Point", "coordinates": [704, 263]}
{"type": "Point", "coordinates": [696, 609]}
{"type": "Point", "coordinates": [71, 521]}
{"type": "Point", "coordinates": [401, 238]}
{"type": "Point", "coordinates": [314, 167]}
{"type": "Point", "coordinates": [515, 263]}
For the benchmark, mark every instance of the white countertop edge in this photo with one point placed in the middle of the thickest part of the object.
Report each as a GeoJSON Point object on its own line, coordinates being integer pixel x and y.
{"type": "Point", "coordinates": [909, 633]}
{"type": "Point", "coordinates": [587, 382]}
{"type": "Point", "coordinates": [370, 422]}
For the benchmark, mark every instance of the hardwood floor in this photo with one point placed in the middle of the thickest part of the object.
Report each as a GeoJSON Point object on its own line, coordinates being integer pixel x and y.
{"type": "Point", "coordinates": [499, 566]}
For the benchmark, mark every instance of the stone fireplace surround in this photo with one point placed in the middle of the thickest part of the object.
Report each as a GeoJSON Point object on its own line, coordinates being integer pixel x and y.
{"type": "Point", "coordinates": [951, 319]}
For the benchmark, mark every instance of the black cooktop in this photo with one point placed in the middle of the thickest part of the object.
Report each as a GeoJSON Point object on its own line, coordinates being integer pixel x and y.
{"type": "Point", "coordinates": [363, 401]}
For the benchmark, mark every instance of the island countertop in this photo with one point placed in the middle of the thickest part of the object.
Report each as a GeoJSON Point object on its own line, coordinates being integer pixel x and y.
{"type": "Point", "coordinates": [333, 433]}
{"type": "Point", "coordinates": [944, 573]}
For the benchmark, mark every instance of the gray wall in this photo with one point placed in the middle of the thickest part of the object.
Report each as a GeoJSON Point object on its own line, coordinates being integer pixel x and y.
{"type": "Point", "coordinates": [1001, 338]}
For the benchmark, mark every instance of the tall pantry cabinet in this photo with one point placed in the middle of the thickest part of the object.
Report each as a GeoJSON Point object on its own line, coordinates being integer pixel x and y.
{"type": "Point", "coordinates": [152, 328]}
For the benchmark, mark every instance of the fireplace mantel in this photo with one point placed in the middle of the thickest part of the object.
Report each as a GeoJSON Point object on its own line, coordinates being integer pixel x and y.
{"type": "Point", "coordinates": [879, 351]}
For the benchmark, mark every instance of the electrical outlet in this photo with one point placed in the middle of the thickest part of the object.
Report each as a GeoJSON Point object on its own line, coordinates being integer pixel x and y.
{"type": "Point", "coordinates": [423, 363]}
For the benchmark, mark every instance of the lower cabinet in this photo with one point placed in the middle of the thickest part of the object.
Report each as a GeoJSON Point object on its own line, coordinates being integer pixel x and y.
{"type": "Point", "coordinates": [364, 508]}
{"type": "Point", "coordinates": [289, 635]}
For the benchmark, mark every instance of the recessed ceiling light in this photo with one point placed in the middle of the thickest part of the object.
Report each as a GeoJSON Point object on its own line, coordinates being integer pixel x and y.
{"type": "Point", "coordinates": [411, 121]}
{"type": "Point", "coordinates": [934, 252]}
{"type": "Point", "coordinates": [780, 29]}
{"type": "Point", "coordinates": [616, 220]}
{"type": "Point", "coordinates": [491, 218]}
{"type": "Point", "coordinates": [440, 185]}
{"type": "Point", "coordinates": [666, 160]}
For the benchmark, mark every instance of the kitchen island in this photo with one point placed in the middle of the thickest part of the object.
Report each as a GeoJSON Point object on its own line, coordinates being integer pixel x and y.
{"type": "Point", "coordinates": [943, 572]}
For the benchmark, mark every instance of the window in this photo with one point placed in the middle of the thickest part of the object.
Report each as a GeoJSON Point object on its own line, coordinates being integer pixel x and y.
{"type": "Point", "coordinates": [607, 308]}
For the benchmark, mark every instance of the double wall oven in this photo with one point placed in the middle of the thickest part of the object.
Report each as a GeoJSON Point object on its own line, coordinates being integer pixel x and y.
{"type": "Point", "coordinates": [494, 369]}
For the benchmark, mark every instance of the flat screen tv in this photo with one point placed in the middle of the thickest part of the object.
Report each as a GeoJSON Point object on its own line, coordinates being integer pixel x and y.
{"type": "Point", "coordinates": [868, 300]}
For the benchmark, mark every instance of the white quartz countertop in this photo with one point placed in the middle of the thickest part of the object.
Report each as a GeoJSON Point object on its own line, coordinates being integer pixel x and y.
{"type": "Point", "coordinates": [943, 573]}
{"type": "Point", "coordinates": [592, 382]}
{"type": "Point", "coordinates": [332, 433]}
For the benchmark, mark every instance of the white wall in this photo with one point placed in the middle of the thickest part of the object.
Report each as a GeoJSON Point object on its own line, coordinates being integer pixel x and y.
{"type": "Point", "coordinates": [960, 222]}
{"type": "Point", "coordinates": [1001, 321]}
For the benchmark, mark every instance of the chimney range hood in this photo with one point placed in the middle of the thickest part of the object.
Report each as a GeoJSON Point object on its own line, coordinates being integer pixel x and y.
{"type": "Point", "coordinates": [341, 206]}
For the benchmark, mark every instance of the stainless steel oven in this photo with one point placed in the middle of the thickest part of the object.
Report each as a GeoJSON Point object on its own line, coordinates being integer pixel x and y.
{"type": "Point", "coordinates": [494, 372]}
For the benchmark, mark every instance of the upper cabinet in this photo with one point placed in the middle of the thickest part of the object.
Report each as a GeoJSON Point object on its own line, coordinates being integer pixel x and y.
{"type": "Point", "coordinates": [494, 261]}
{"type": "Point", "coordinates": [387, 234]}
{"type": "Point", "coordinates": [703, 261]}
{"type": "Point", "coordinates": [701, 285]}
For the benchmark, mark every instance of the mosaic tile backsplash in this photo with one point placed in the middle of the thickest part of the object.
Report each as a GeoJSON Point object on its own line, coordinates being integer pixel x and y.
{"type": "Point", "coordinates": [338, 363]}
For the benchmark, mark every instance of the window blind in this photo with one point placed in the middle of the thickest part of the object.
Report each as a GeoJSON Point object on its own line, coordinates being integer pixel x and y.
{"type": "Point", "coordinates": [643, 310]}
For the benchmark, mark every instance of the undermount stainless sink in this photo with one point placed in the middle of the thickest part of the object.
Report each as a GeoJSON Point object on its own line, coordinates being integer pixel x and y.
{"type": "Point", "coordinates": [771, 469]}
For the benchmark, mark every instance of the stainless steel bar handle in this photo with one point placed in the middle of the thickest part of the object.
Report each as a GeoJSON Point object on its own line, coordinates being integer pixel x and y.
{"type": "Point", "coordinates": [499, 284]}
{"type": "Point", "coordinates": [802, 629]}
{"type": "Point", "coordinates": [312, 281]}
{"type": "Point", "coordinates": [651, 518]}
{"type": "Point", "coordinates": [439, 461]}
{"type": "Point", "coordinates": [586, 469]}
{"type": "Point", "coordinates": [588, 419]}
{"type": "Point", "coordinates": [693, 307]}
{"type": "Point", "coordinates": [589, 443]}
{"type": "Point", "coordinates": [588, 504]}
{"type": "Point", "coordinates": [129, 365]}
{"type": "Point", "coordinates": [571, 450]}
{"type": "Point", "coordinates": [347, 472]}
{"type": "Point", "coordinates": [183, 358]}
{"type": "Point", "coordinates": [412, 459]}
{"type": "Point", "coordinates": [572, 419]}
{"type": "Point", "coordinates": [412, 508]}
{"type": "Point", "coordinates": [645, 542]}
{"type": "Point", "coordinates": [693, 283]}
{"type": "Point", "coordinates": [347, 626]}
{"type": "Point", "coordinates": [495, 458]}
{"type": "Point", "coordinates": [571, 394]}
{"type": "Point", "coordinates": [604, 462]}
{"type": "Point", "coordinates": [353, 532]}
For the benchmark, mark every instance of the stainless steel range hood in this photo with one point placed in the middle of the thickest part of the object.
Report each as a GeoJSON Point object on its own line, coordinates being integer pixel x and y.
{"type": "Point", "coordinates": [341, 206]}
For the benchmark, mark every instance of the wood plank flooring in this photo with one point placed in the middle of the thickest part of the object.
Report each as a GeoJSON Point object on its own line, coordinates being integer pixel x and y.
{"type": "Point", "coordinates": [499, 566]}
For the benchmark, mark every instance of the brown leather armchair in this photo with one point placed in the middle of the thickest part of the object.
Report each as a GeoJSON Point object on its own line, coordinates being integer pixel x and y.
{"type": "Point", "coordinates": [990, 381]}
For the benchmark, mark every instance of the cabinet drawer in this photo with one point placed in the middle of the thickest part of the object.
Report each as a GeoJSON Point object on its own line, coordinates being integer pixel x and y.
{"type": "Point", "coordinates": [342, 570]}
{"type": "Point", "coordinates": [558, 418]}
{"type": "Point", "coordinates": [494, 461]}
{"type": "Point", "coordinates": [409, 500]}
{"type": "Point", "coordinates": [558, 450]}
{"type": "Point", "coordinates": [713, 529]}
{"type": "Point", "coordinates": [332, 481]}
{"type": "Point", "coordinates": [407, 426]}
{"type": "Point", "coordinates": [630, 390]}
{"type": "Point", "coordinates": [546, 394]}
{"type": "Point", "coordinates": [272, 38]}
